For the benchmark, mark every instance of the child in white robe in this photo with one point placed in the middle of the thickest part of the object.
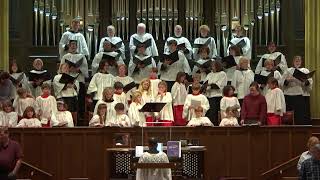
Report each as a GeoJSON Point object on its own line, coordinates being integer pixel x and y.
{"type": "Point", "coordinates": [100, 81]}
{"type": "Point", "coordinates": [29, 119]}
{"type": "Point", "coordinates": [119, 96]}
{"type": "Point", "coordinates": [193, 101]}
{"type": "Point", "coordinates": [121, 118]}
{"type": "Point", "coordinates": [46, 106]}
{"type": "Point", "coordinates": [43, 77]}
{"type": "Point", "coordinates": [269, 71]}
{"type": "Point", "coordinates": [199, 119]}
{"type": "Point", "coordinates": [145, 89]}
{"type": "Point", "coordinates": [242, 79]}
{"type": "Point", "coordinates": [125, 80]}
{"type": "Point", "coordinates": [67, 92]}
{"type": "Point", "coordinates": [231, 118]}
{"type": "Point", "coordinates": [23, 100]}
{"type": "Point", "coordinates": [179, 94]}
{"type": "Point", "coordinates": [18, 78]}
{"type": "Point", "coordinates": [100, 118]}
{"type": "Point", "coordinates": [110, 103]}
{"type": "Point", "coordinates": [166, 114]}
{"type": "Point", "coordinates": [215, 82]}
{"type": "Point", "coordinates": [196, 78]}
{"type": "Point", "coordinates": [228, 100]}
{"type": "Point", "coordinates": [8, 117]}
{"type": "Point", "coordinates": [63, 117]}
{"type": "Point", "coordinates": [154, 81]}
{"type": "Point", "coordinates": [276, 105]}
{"type": "Point", "coordinates": [137, 118]}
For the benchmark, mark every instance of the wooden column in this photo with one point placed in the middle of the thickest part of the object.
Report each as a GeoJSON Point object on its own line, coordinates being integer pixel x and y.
{"type": "Point", "coordinates": [4, 34]}
{"type": "Point", "coordinates": [312, 51]}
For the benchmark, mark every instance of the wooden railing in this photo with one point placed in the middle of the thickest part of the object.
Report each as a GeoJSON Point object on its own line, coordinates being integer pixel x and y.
{"type": "Point", "coordinates": [28, 171]}
{"type": "Point", "coordinates": [277, 172]}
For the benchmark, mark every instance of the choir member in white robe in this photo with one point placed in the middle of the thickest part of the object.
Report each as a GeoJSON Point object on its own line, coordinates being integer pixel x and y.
{"type": "Point", "coordinates": [114, 59]}
{"type": "Point", "coordinates": [193, 101]}
{"type": "Point", "coordinates": [23, 101]}
{"type": "Point", "coordinates": [116, 42]}
{"type": "Point", "coordinates": [204, 40]}
{"type": "Point", "coordinates": [110, 103]}
{"type": "Point", "coordinates": [125, 80]}
{"type": "Point", "coordinates": [141, 64]}
{"type": "Point", "coordinates": [293, 91]}
{"type": "Point", "coordinates": [276, 104]}
{"type": "Point", "coordinates": [74, 34]}
{"type": "Point", "coordinates": [214, 84]}
{"type": "Point", "coordinates": [183, 43]}
{"type": "Point", "coordinates": [203, 65]}
{"type": "Point", "coordinates": [143, 39]}
{"type": "Point", "coordinates": [199, 119]}
{"type": "Point", "coordinates": [121, 119]}
{"type": "Point", "coordinates": [153, 156]}
{"type": "Point", "coordinates": [278, 57]}
{"type": "Point", "coordinates": [241, 41]}
{"type": "Point", "coordinates": [8, 117]}
{"type": "Point", "coordinates": [235, 53]}
{"type": "Point", "coordinates": [154, 82]}
{"type": "Point", "coordinates": [145, 89]}
{"type": "Point", "coordinates": [269, 72]}
{"type": "Point", "coordinates": [173, 63]}
{"type": "Point", "coordinates": [100, 81]}
{"type": "Point", "coordinates": [228, 100]}
{"type": "Point", "coordinates": [179, 94]}
{"type": "Point", "coordinates": [166, 114]}
{"type": "Point", "coordinates": [78, 66]}
{"type": "Point", "coordinates": [242, 79]}
{"type": "Point", "coordinates": [68, 92]}
{"type": "Point", "coordinates": [46, 106]}
{"type": "Point", "coordinates": [18, 78]}
{"type": "Point", "coordinates": [6, 88]}
{"type": "Point", "coordinates": [100, 119]}
{"type": "Point", "coordinates": [38, 76]}
{"type": "Point", "coordinates": [63, 117]}
{"type": "Point", "coordinates": [230, 119]}
{"type": "Point", "coordinates": [29, 119]}
{"type": "Point", "coordinates": [119, 96]}
{"type": "Point", "coordinates": [137, 118]}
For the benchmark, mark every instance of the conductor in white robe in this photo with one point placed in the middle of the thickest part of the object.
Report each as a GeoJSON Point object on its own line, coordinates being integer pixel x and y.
{"type": "Point", "coordinates": [153, 156]}
{"type": "Point", "coordinates": [183, 43]}
{"type": "Point", "coordinates": [116, 42]}
{"type": "Point", "coordinates": [74, 34]}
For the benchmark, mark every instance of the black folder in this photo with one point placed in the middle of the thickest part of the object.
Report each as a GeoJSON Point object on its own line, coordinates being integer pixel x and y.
{"type": "Point", "coordinates": [301, 75]}
{"type": "Point", "coordinates": [146, 43]}
{"type": "Point", "coordinates": [76, 65]}
{"type": "Point", "coordinates": [146, 61]}
{"type": "Point", "coordinates": [228, 62]}
{"type": "Point", "coordinates": [206, 65]}
{"type": "Point", "coordinates": [202, 45]}
{"type": "Point", "coordinates": [260, 79]}
{"type": "Point", "coordinates": [116, 45]}
{"type": "Point", "coordinates": [110, 59]}
{"type": "Point", "coordinates": [240, 44]}
{"type": "Point", "coordinates": [173, 57]}
{"type": "Point", "coordinates": [67, 78]}
{"type": "Point", "coordinates": [152, 107]}
{"type": "Point", "coordinates": [129, 86]}
{"type": "Point", "coordinates": [39, 75]}
{"type": "Point", "coordinates": [18, 80]}
{"type": "Point", "coordinates": [276, 61]}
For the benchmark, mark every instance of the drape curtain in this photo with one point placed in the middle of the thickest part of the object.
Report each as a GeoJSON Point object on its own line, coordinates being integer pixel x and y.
{"type": "Point", "coordinates": [4, 34]}
{"type": "Point", "coordinates": [312, 51]}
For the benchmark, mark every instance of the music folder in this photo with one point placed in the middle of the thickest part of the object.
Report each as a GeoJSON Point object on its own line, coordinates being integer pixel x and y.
{"type": "Point", "coordinates": [260, 79]}
{"type": "Point", "coordinates": [228, 62]}
{"type": "Point", "coordinates": [301, 75]}
{"type": "Point", "coordinates": [129, 86]}
{"type": "Point", "coordinates": [67, 79]}
{"type": "Point", "coordinates": [152, 107]}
